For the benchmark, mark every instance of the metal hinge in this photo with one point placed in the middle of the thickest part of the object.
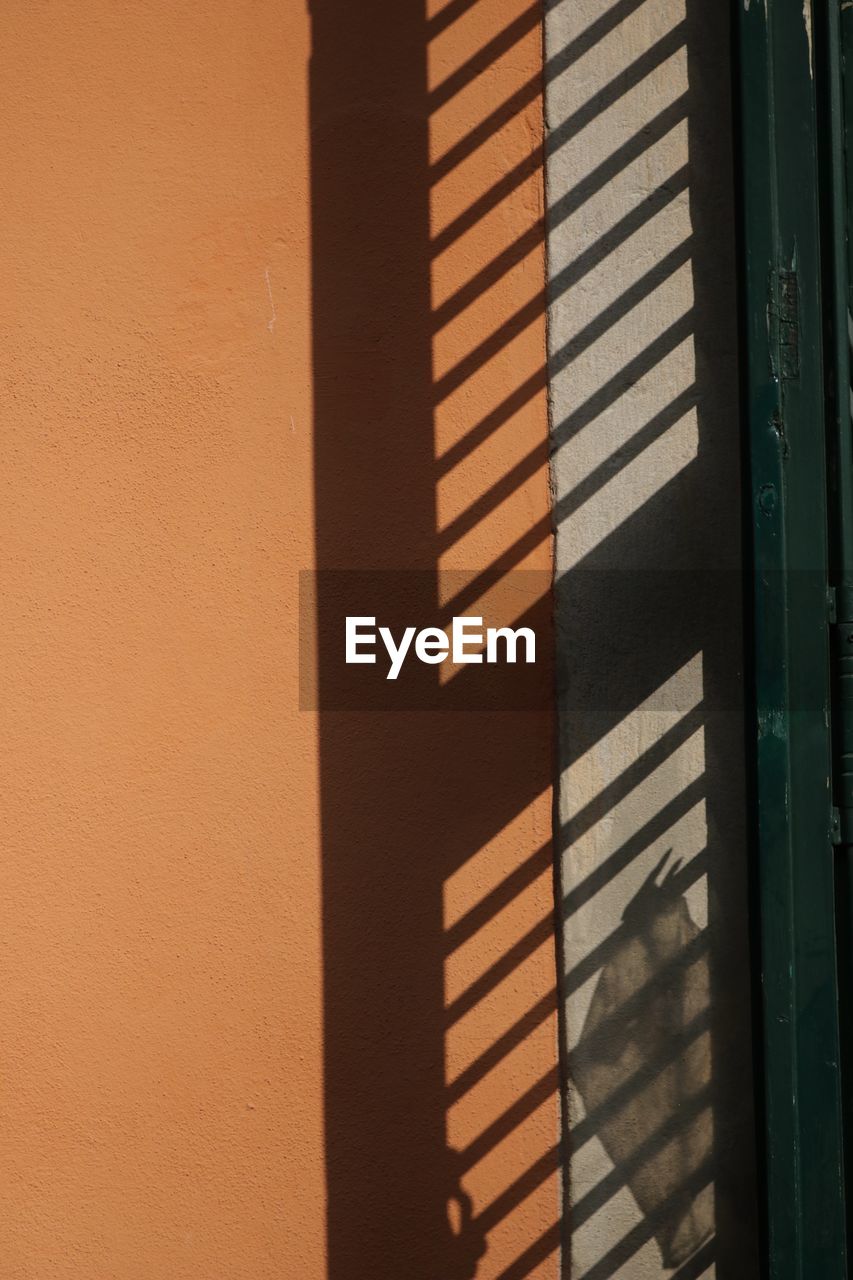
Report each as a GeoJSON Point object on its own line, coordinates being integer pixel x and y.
{"type": "Point", "coordinates": [783, 320]}
{"type": "Point", "coordinates": [841, 650]}
{"type": "Point", "coordinates": [835, 825]}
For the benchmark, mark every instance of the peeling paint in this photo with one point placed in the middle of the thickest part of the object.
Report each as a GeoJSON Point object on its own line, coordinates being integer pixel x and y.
{"type": "Point", "coordinates": [807, 21]}
{"type": "Point", "coordinates": [772, 724]}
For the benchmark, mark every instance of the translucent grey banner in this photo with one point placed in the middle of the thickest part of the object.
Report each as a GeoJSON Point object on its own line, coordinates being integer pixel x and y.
{"type": "Point", "coordinates": [616, 630]}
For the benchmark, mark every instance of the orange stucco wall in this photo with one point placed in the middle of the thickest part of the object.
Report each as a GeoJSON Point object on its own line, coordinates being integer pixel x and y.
{"type": "Point", "coordinates": [234, 346]}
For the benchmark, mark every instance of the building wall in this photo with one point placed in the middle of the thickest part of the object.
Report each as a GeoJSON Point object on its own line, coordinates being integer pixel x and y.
{"type": "Point", "coordinates": [277, 990]}
{"type": "Point", "coordinates": [161, 993]}
{"type": "Point", "coordinates": [279, 984]}
{"type": "Point", "coordinates": [652, 816]}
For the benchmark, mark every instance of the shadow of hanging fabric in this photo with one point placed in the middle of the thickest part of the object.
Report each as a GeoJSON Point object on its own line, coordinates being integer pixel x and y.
{"type": "Point", "coordinates": [659, 1136]}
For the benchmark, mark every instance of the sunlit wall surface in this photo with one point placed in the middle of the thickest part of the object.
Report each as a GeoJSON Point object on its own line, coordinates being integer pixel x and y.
{"type": "Point", "coordinates": [278, 986]}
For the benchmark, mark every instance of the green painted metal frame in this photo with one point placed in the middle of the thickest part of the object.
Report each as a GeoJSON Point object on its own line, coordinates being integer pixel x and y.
{"type": "Point", "coordinates": [786, 209]}
{"type": "Point", "coordinates": [840, 42]}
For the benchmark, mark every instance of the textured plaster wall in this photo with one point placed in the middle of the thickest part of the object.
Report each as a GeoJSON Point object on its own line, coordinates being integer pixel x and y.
{"type": "Point", "coordinates": [160, 1099]}
{"type": "Point", "coordinates": [276, 989]}
{"type": "Point", "coordinates": [655, 988]}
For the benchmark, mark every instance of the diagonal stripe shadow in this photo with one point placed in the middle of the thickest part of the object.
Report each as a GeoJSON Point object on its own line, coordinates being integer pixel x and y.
{"type": "Point", "coordinates": [606, 97]}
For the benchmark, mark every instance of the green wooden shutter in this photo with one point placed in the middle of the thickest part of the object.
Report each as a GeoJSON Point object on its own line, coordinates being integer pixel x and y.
{"type": "Point", "coordinates": [789, 90]}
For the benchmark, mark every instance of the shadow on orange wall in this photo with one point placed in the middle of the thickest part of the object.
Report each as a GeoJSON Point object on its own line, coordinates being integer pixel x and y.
{"type": "Point", "coordinates": [441, 1073]}
{"type": "Point", "coordinates": [440, 1078]}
